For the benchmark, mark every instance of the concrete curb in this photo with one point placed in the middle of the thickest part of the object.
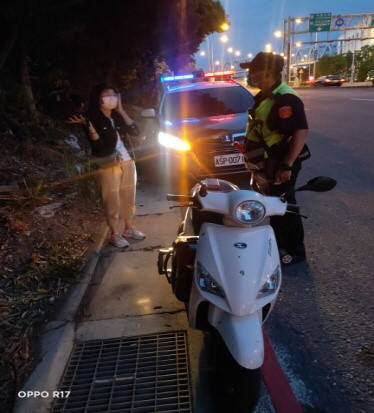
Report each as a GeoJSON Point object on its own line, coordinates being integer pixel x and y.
{"type": "Point", "coordinates": [57, 341]}
{"type": "Point", "coordinates": [342, 87]}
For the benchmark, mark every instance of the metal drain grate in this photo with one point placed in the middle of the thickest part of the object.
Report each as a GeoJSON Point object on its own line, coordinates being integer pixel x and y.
{"type": "Point", "coordinates": [145, 374]}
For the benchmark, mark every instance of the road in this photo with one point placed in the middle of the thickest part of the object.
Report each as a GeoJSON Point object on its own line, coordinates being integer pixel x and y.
{"type": "Point", "coordinates": [322, 325]}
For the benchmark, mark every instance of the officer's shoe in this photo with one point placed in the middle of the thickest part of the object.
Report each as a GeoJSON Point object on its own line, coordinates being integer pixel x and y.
{"type": "Point", "coordinates": [288, 258]}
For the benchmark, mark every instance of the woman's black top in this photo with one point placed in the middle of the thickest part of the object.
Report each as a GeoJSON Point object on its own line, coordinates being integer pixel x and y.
{"type": "Point", "coordinates": [106, 144]}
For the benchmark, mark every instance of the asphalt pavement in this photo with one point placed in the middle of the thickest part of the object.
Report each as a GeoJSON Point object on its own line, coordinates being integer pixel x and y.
{"type": "Point", "coordinates": [322, 325]}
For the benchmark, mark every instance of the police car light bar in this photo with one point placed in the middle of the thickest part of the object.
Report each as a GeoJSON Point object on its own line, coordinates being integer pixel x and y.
{"type": "Point", "coordinates": [179, 77]}
{"type": "Point", "coordinates": [214, 74]}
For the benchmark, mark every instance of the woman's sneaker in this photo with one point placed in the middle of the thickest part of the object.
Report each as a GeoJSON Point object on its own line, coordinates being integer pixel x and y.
{"type": "Point", "coordinates": [133, 233]}
{"type": "Point", "coordinates": [119, 242]}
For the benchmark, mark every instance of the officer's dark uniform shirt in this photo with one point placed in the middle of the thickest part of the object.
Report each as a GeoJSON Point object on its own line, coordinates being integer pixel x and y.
{"type": "Point", "coordinates": [287, 114]}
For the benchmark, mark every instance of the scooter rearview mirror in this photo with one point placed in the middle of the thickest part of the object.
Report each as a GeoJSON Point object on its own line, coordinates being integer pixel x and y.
{"type": "Point", "coordinates": [202, 192]}
{"type": "Point", "coordinates": [319, 184]}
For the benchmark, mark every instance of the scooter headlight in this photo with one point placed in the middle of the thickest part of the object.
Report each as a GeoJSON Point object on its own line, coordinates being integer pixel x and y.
{"type": "Point", "coordinates": [271, 284]}
{"type": "Point", "coordinates": [249, 212]}
{"type": "Point", "coordinates": [206, 281]}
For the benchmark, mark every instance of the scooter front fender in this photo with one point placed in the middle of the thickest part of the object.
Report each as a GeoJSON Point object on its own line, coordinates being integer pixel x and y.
{"type": "Point", "coordinates": [241, 334]}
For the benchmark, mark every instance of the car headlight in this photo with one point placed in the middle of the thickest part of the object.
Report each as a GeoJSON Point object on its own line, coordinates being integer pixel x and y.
{"type": "Point", "coordinates": [249, 212]}
{"type": "Point", "coordinates": [271, 284]}
{"type": "Point", "coordinates": [206, 281]}
{"type": "Point", "coordinates": [173, 142]}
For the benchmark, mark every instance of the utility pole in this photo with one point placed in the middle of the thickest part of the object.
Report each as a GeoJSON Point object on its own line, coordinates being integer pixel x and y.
{"type": "Point", "coordinates": [287, 46]}
{"type": "Point", "coordinates": [353, 65]}
{"type": "Point", "coordinates": [315, 56]}
{"type": "Point", "coordinates": [353, 60]}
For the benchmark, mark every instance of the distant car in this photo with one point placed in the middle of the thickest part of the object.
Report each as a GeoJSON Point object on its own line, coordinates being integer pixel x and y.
{"type": "Point", "coordinates": [329, 80]}
{"type": "Point", "coordinates": [197, 123]}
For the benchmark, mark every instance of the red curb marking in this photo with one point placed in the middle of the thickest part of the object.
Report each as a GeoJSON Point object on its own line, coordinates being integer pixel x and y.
{"type": "Point", "coordinates": [276, 382]}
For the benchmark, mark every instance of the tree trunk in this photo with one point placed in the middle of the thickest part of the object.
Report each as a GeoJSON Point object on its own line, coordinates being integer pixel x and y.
{"type": "Point", "coordinates": [26, 81]}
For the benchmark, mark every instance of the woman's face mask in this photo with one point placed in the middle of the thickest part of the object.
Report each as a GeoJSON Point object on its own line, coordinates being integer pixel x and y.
{"type": "Point", "coordinates": [109, 102]}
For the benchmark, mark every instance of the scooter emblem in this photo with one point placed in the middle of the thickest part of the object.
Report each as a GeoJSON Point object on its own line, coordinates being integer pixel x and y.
{"type": "Point", "coordinates": [240, 245]}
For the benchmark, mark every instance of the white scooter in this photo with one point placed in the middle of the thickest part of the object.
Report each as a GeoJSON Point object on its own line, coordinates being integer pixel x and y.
{"type": "Point", "coordinates": [224, 265]}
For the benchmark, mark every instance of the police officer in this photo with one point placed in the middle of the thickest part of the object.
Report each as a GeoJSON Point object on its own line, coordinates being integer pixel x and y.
{"type": "Point", "coordinates": [275, 142]}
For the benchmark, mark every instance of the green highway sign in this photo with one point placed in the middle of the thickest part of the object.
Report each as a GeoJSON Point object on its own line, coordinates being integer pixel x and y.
{"type": "Point", "coordinates": [320, 22]}
{"type": "Point", "coordinates": [372, 21]}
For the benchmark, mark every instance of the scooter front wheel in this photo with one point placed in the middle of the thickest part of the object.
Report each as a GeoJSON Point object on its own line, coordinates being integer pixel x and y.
{"type": "Point", "coordinates": [238, 388]}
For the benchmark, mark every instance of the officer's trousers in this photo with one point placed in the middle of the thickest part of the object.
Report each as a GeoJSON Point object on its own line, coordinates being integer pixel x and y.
{"type": "Point", "coordinates": [288, 229]}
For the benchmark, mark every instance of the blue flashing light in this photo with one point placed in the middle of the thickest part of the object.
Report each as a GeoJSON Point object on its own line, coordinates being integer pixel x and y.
{"type": "Point", "coordinates": [173, 78]}
{"type": "Point", "coordinates": [190, 120]}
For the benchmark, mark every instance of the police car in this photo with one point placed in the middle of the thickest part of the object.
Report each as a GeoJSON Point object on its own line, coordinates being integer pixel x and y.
{"type": "Point", "coordinates": [198, 120]}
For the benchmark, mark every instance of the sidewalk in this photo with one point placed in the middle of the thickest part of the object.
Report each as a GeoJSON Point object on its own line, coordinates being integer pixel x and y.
{"type": "Point", "coordinates": [358, 84]}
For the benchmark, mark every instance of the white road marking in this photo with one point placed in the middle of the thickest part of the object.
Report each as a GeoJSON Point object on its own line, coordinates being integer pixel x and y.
{"type": "Point", "coordinates": [369, 100]}
{"type": "Point", "coordinates": [302, 393]}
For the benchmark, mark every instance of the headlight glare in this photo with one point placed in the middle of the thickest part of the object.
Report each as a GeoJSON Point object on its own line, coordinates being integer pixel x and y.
{"type": "Point", "coordinates": [206, 281]}
{"type": "Point", "coordinates": [173, 142]}
{"type": "Point", "coordinates": [271, 284]}
{"type": "Point", "coordinates": [249, 212]}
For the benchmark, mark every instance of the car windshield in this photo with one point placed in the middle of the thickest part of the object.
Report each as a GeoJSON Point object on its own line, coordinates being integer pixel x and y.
{"type": "Point", "coordinates": [333, 77]}
{"type": "Point", "coordinates": [206, 102]}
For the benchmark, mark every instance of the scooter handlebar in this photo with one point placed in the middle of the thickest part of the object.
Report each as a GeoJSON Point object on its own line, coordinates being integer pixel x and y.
{"type": "Point", "coordinates": [179, 198]}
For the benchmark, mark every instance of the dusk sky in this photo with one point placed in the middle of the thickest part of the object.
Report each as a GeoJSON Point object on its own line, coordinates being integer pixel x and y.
{"type": "Point", "coordinates": [253, 22]}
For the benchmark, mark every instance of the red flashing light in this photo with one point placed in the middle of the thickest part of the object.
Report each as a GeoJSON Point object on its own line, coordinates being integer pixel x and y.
{"type": "Point", "coordinates": [221, 118]}
{"type": "Point", "coordinates": [214, 74]}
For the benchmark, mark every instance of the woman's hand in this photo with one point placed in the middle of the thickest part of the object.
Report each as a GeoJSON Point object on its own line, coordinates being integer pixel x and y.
{"type": "Point", "coordinates": [119, 107]}
{"type": "Point", "coordinates": [77, 119]}
{"type": "Point", "coordinates": [81, 120]}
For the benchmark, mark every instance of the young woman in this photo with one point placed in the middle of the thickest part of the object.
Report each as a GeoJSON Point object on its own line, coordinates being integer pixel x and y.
{"type": "Point", "coordinates": [108, 127]}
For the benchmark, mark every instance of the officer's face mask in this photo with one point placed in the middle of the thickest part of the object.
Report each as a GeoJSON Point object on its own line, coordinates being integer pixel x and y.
{"type": "Point", "coordinates": [109, 101]}
{"type": "Point", "coordinates": [250, 80]}
{"type": "Point", "coordinates": [256, 78]}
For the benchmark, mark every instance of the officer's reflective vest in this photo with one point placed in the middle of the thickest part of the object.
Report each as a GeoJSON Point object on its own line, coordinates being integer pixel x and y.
{"type": "Point", "coordinates": [257, 129]}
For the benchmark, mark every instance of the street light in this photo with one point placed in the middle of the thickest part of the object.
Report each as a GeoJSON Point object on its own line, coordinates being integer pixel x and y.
{"type": "Point", "coordinates": [268, 47]}
{"type": "Point", "coordinates": [249, 55]}
{"type": "Point", "coordinates": [224, 38]}
{"type": "Point", "coordinates": [225, 26]}
{"type": "Point", "coordinates": [237, 53]}
{"type": "Point", "coordinates": [298, 44]}
{"type": "Point", "coordinates": [278, 34]}
{"type": "Point", "coordinates": [232, 66]}
{"type": "Point", "coordinates": [298, 21]}
{"type": "Point", "coordinates": [202, 53]}
{"type": "Point", "coordinates": [217, 62]}
{"type": "Point", "coordinates": [230, 49]}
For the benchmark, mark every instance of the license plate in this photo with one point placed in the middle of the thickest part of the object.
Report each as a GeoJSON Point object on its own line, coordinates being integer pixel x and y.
{"type": "Point", "coordinates": [228, 160]}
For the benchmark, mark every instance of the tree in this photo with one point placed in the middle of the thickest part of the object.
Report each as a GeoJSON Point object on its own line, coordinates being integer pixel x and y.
{"type": "Point", "coordinates": [328, 65]}
{"type": "Point", "coordinates": [82, 42]}
{"type": "Point", "coordinates": [364, 62]}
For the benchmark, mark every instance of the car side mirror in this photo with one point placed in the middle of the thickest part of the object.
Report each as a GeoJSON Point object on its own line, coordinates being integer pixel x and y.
{"type": "Point", "coordinates": [148, 113]}
{"type": "Point", "coordinates": [319, 184]}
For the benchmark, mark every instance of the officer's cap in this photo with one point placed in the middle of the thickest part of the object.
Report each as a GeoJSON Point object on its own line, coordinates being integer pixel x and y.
{"type": "Point", "coordinates": [267, 62]}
